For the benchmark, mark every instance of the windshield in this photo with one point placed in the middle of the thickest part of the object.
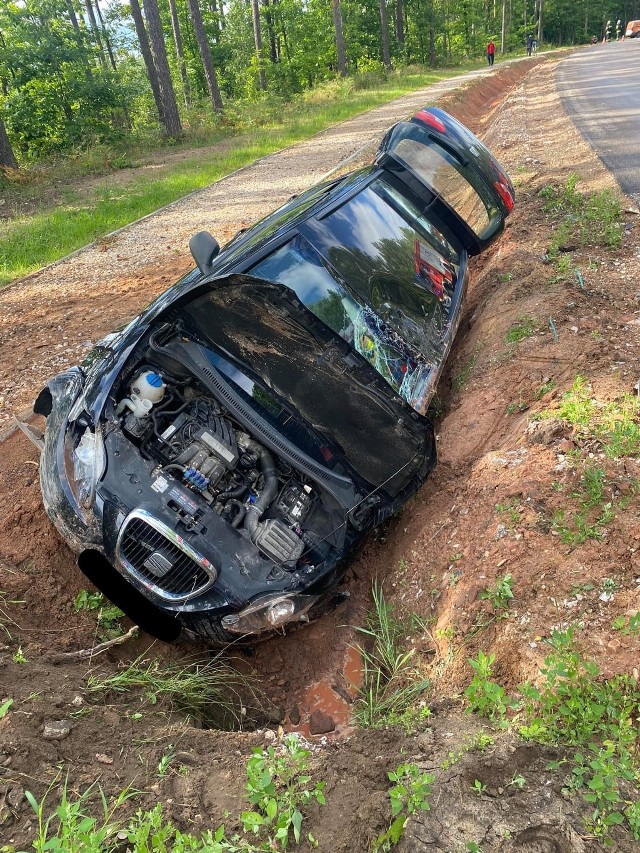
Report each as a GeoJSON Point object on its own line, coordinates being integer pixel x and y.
{"type": "Point", "coordinates": [256, 326]}
{"type": "Point", "coordinates": [300, 267]}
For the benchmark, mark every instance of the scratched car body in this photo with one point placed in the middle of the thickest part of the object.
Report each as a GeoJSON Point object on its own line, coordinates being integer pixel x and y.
{"type": "Point", "coordinates": [214, 463]}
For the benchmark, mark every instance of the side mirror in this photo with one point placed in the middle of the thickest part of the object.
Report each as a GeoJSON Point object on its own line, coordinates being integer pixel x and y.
{"type": "Point", "coordinates": [204, 248]}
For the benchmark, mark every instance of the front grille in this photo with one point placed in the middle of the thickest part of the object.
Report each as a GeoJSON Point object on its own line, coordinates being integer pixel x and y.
{"type": "Point", "coordinates": [161, 559]}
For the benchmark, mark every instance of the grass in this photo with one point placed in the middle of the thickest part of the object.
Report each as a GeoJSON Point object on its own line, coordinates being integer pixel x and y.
{"type": "Point", "coordinates": [581, 219]}
{"type": "Point", "coordinates": [108, 616]}
{"type": "Point", "coordinates": [27, 243]}
{"type": "Point", "coordinates": [523, 328]}
{"type": "Point", "coordinates": [573, 706]}
{"type": "Point", "coordinates": [614, 424]}
{"type": "Point", "coordinates": [391, 683]}
{"type": "Point", "coordinates": [206, 690]}
{"type": "Point", "coordinates": [279, 787]}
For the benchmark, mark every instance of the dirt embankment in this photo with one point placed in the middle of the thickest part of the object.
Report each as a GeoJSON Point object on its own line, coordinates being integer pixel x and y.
{"type": "Point", "coordinates": [448, 545]}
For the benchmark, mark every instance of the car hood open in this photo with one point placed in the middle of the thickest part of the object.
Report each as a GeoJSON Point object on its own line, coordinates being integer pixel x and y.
{"type": "Point", "coordinates": [264, 330]}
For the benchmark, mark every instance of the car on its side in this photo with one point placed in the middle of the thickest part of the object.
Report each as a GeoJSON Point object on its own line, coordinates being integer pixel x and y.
{"type": "Point", "coordinates": [216, 461]}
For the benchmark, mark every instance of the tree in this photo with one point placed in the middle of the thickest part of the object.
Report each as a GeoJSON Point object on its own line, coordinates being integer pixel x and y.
{"type": "Point", "coordinates": [177, 40]}
{"type": "Point", "coordinates": [145, 50]}
{"type": "Point", "coordinates": [171, 122]}
{"type": "Point", "coordinates": [257, 35]}
{"type": "Point", "coordinates": [340, 48]}
{"type": "Point", "coordinates": [205, 55]}
{"type": "Point", "coordinates": [384, 32]}
{"type": "Point", "coordinates": [7, 157]}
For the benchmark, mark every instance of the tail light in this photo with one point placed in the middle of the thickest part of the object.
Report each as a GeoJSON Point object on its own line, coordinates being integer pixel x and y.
{"type": "Point", "coordinates": [429, 118]}
{"type": "Point", "coordinates": [505, 194]}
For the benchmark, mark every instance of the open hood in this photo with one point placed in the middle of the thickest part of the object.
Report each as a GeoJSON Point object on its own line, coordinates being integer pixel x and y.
{"type": "Point", "coordinates": [264, 338]}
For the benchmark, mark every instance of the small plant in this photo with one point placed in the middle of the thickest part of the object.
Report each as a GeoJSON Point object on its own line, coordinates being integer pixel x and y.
{"type": "Point", "coordinates": [593, 219]}
{"type": "Point", "coordinates": [627, 626]}
{"type": "Point", "coordinates": [523, 328]}
{"type": "Point", "coordinates": [545, 388]}
{"type": "Point", "coordinates": [478, 787]}
{"type": "Point", "coordinates": [473, 847]}
{"type": "Point", "coordinates": [19, 656]}
{"type": "Point", "coordinates": [518, 780]}
{"type": "Point", "coordinates": [165, 763]}
{"type": "Point", "coordinates": [109, 615]}
{"type": "Point", "coordinates": [514, 408]}
{"type": "Point", "coordinates": [594, 513]}
{"type": "Point", "coordinates": [4, 708]}
{"type": "Point", "coordinates": [391, 683]}
{"type": "Point", "coordinates": [484, 696]}
{"type": "Point", "coordinates": [501, 594]}
{"type": "Point", "coordinates": [278, 788]}
{"type": "Point", "coordinates": [409, 795]}
{"type": "Point", "coordinates": [509, 511]}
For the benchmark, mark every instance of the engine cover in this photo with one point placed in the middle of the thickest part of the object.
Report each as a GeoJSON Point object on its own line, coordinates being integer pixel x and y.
{"type": "Point", "coordinates": [279, 542]}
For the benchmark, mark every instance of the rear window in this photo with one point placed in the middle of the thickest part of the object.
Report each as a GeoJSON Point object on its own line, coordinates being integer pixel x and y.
{"type": "Point", "coordinates": [439, 170]}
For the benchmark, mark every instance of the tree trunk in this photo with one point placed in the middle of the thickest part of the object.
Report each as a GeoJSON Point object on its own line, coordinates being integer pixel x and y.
{"type": "Point", "coordinates": [540, 21]}
{"type": "Point", "coordinates": [400, 23]}
{"type": "Point", "coordinates": [177, 39]}
{"type": "Point", "coordinates": [340, 47]}
{"type": "Point", "coordinates": [7, 157]}
{"type": "Point", "coordinates": [274, 53]}
{"type": "Point", "coordinates": [145, 50]}
{"type": "Point", "coordinates": [384, 32]}
{"type": "Point", "coordinates": [107, 40]}
{"type": "Point", "coordinates": [503, 32]}
{"type": "Point", "coordinates": [94, 29]}
{"type": "Point", "coordinates": [205, 54]}
{"type": "Point", "coordinates": [257, 37]}
{"type": "Point", "coordinates": [172, 123]}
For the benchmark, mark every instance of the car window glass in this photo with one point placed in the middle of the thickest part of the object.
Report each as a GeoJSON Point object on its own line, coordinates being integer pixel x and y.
{"type": "Point", "coordinates": [439, 170]}
{"type": "Point", "coordinates": [388, 258]}
{"type": "Point", "coordinates": [299, 267]}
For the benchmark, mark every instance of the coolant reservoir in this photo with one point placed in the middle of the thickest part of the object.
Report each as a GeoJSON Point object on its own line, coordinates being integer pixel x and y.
{"type": "Point", "coordinates": [148, 386]}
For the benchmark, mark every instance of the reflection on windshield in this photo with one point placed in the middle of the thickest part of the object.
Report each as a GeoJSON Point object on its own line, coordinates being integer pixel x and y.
{"type": "Point", "coordinates": [404, 367]}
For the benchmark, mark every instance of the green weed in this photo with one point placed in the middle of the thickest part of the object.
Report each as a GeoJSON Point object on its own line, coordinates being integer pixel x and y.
{"type": "Point", "coordinates": [549, 385]}
{"type": "Point", "coordinates": [523, 328]}
{"type": "Point", "coordinates": [483, 695]}
{"type": "Point", "coordinates": [595, 509]}
{"type": "Point", "coordinates": [391, 683]}
{"type": "Point", "coordinates": [500, 595]}
{"type": "Point", "coordinates": [509, 510]}
{"type": "Point", "coordinates": [279, 787]}
{"type": "Point", "coordinates": [627, 626]}
{"type": "Point", "coordinates": [108, 616]}
{"type": "Point", "coordinates": [409, 795]}
{"type": "Point", "coordinates": [207, 690]}
{"type": "Point", "coordinates": [589, 219]}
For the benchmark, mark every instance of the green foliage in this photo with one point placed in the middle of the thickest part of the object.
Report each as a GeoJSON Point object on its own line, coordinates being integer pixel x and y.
{"type": "Point", "coordinates": [109, 615]}
{"type": "Point", "coordinates": [391, 683]}
{"type": "Point", "coordinates": [594, 511]}
{"type": "Point", "coordinates": [279, 787]}
{"type": "Point", "coordinates": [409, 795]}
{"type": "Point", "coordinates": [501, 594]}
{"type": "Point", "coordinates": [590, 219]}
{"type": "Point", "coordinates": [615, 424]}
{"type": "Point", "coordinates": [205, 689]}
{"type": "Point", "coordinates": [4, 708]}
{"type": "Point", "coordinates": [523, 328]}
{"type": "Point", "coordinates": [483, 695]}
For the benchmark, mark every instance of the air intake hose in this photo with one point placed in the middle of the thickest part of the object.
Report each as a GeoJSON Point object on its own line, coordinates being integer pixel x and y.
{"type": "Point", "coordinates": [268, 493]}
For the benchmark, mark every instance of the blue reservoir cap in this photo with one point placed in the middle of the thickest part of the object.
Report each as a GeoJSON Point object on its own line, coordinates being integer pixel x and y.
{"type": "Point", "coordinates": [154, 379]}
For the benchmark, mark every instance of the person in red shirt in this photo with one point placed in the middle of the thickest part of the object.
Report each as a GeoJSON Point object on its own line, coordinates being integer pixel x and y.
{"type": "Point", "coordinates": [491, 52]}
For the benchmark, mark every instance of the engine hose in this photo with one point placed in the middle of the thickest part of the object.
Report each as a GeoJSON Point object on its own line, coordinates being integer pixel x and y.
{"type": "Point", "coordinates": [233, 493]}
{"type": "Point", "coordinates": [240, 512]}
{"type": "Point", "coordinates": [268, 493]}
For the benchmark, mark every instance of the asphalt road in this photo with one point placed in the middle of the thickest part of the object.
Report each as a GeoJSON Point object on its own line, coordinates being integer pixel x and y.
{"type": "Point", "coordinates": [600, 89]}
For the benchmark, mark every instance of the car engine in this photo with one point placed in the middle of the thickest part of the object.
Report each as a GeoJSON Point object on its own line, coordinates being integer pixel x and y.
{"type": "Point", "coordinates": [193, 440]}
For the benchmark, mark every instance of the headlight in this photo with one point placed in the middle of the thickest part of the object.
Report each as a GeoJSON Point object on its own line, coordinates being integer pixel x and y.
{"type": "Point", "coordinates": [84, 464]}
{"type": "Point", "coordinates": [268, 613]}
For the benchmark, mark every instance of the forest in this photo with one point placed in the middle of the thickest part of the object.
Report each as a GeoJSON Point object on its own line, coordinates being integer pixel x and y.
{"type": "Point", "coordinates": [80, 73]}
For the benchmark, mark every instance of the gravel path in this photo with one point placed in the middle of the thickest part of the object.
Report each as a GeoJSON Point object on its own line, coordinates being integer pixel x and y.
{"type": "Point", "coordinates": [51, 318]}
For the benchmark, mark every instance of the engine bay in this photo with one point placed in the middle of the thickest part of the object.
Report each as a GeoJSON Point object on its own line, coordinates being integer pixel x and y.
{"type": "Point", "coordinates": [192, 440]}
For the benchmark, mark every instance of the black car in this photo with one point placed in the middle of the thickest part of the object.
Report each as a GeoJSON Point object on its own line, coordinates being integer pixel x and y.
{"type": "Point", "coordinates": [215, 461]}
